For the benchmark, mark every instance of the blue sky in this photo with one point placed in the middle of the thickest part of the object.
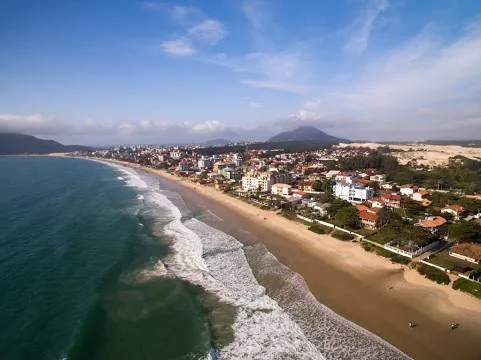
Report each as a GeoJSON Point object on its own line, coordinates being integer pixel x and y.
{"type": "Point", "coordinates": [104, 72]}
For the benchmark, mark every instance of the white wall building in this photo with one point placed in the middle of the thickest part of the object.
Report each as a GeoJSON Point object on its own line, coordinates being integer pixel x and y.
{"type": "Point", "coordinates": [176, 154]}
{"type": "Point", "coordinates": [354, 193]}
{"type": "Point", "coordinates": [204, 163]}
{"type": "Point", "coordinates": [263, 181]}
{"type": "Point", "coordinates": [281, 189]}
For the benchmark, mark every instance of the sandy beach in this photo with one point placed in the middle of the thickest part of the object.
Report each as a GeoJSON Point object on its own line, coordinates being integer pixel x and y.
{"type": "Point", "coordinates": [362, 287]}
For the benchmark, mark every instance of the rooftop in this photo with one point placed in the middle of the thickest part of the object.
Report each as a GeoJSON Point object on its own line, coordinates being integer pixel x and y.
{"type": "Point", "coordinates": [472, 250]}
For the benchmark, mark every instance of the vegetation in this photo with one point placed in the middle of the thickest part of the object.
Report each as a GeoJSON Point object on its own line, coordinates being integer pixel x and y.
{"type": "Point", "coordinates": [465, 231]}
{"type": "Point", "coordinates": [341, 235]}
{"type": "Point", "coordinates": [347, 216]}
{"type": "Point", "coordinates": [411, 208]}
{"type": "Point", "coordinates": [433, 274]}
{"type": "Point", "coordinates": [320, 229]}
{"type": "Point", "coordinates": [401, 231]}
{"type": "Point", "coordinates": [392, 256]}
{"type": "Point", "coordinates": [468, 286]}
{"type": "Point", "coordinates": [367, 246]}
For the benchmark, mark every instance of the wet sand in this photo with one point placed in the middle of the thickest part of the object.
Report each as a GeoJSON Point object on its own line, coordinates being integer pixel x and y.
{"type": "Point", "coordinates": [362, 287]}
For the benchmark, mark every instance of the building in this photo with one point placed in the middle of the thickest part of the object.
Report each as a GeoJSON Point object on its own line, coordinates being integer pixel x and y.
{"type": "Point", "coordinates": [176, 154]}
{"type": "Point", "coordinates": [432, 223]}
{"type": "Point", "coordinates": [408, 189]}
{"type": "Point", "coordinates": [409, 248]}
{"type": "Point", "coordinates": [380, 178]}
{"type": "Point", "coordinates": [391, 200]}
{"type": "Point", "coordinates": [467, 251]}
{"type": "Point", "coordinates": [231, 174]}
{"type": "Point", "coordinates": [355, 193]}
{"type": "Point", "coordinates": [281, 189]}
{"type": "Point", "coordinates": [263, 181]}
{"type": "Point", "coordinates": [369, 219]}
{"type": "Point", "coordinates": [456, 210]}
{"type": "Point", "coordinates": [420, 196]}
{"type": "Point", "coordinates": [343, 177]}
{"type": "Point", "coordinates": [204, 163]}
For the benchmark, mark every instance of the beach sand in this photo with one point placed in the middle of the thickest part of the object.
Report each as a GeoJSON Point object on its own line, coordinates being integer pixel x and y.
{"type": "Point", "coordinates": [362, 287]}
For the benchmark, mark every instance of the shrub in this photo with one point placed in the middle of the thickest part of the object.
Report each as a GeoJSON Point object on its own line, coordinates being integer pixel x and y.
{"type": "Point", "coordinates": [468, 286]}
{"type": "Point", "coordinates": [341, 235]}
{"type": "Point", "coordinates": [366, 246]}
{"type": "Point", "coordinates": [433, 274]}
{"type": "Point", "coordinates": [319, 229]}
{"type": "Point", "coordinates": [400, 259]}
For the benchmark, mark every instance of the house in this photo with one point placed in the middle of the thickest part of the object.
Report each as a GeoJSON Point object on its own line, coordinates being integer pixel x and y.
{"type": "Point", "coordinates": [355, 193]}
{"type": "Point", "coordinates": [281, 189]}
{"type": "Point", "coordinates": [345, 177]}
{"type": "Point", "coordinates": [454, 209]}
{"type": "Point", "coordinates": [369, 219]}
{"type": "Point", "coordinates": [408, 189]}
{"type": "Point", "coordinates": [322, 208]}
{"type": "Point", "coordinates": [409, 248]}
{"type": "Point", "coordinates": [432, 223]}
{"type": "Point", "coordinates": [420, 195]}
{"type": "Point", "coordinates": [376, 203]}
{"type": "Point", "coordinates": [391, 200]}
{"type": "Point", "coordinates": [380, 178]}
{"type": "Point", "coordinates": [467, 251]}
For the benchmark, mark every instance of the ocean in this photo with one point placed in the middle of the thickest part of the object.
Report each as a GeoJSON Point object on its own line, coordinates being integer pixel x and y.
{"type": "Point", "coordinates": [100, 261]}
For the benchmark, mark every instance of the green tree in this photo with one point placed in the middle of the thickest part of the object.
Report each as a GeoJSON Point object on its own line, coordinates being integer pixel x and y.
{"type": "Point", "coordinates": [465, 231]}
{"type": "Point", "coordinates": [411, 208]}
{"type": "Point", "coordinates": [347, 216]}
{"type": "Point", "coordinates": [318, 185]}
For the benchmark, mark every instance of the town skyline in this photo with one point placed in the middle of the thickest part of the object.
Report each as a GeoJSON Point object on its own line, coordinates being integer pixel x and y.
{"type": "Point", "coordinates": [179, 72]}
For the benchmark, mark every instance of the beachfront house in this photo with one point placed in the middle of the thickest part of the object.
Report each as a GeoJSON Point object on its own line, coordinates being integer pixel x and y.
{"type": "Point", "coordinates": [263, 181]}
{"type": "Point", "coordinates": [281, 189]}
{"type": "Point", "coordinates": [354, 193]}
{"type": "Point", "coordinates": [369, 219]}
{"type": "Point", "coordinates": [409, 248]}
{"type": "Point", "coordinates": [432, 223]}
{"type": "Point", "coordinates": [467, 251]}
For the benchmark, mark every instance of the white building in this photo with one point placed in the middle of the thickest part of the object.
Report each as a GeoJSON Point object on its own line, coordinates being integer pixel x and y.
{"type": "Point", "coordinates": [354, 193]}
{"type": "Point", "coordinates": [281, 189]}
{"type": "Point", "coordinates": [408, 190]}
{"type": "Point", "coordinates": [378, 178]}
{"type": "Point", "coordinates": [263, 181]}
{"type": "Point", "coordinates": [176, 154]}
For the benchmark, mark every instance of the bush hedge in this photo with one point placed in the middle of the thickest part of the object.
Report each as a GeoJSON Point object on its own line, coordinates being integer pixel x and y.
{"type": "Point", "coordinates": [433, 274]}
{"type": "Point", "coordinates": [320, 229]}
{"type": "Point", "coordinates": [468, 286]}
{"type": "Point", "coordinates": [341, 235]}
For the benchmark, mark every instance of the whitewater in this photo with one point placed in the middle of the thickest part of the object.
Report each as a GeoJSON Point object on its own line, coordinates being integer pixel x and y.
{"type": "Point", "coordinates": [293, 325]}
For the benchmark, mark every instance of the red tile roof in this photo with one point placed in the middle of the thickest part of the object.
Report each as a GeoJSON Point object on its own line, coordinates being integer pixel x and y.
{"type": "Point", "coordinates": [433, 222]}
{"type": "Point", "coordinates": [369, 216]}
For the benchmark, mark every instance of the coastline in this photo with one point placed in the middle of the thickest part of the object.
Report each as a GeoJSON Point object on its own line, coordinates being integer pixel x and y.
{"type": "Point", "coordinates": [363, 287]}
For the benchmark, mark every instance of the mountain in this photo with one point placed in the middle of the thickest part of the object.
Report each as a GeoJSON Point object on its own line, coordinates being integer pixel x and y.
{"type": "Point", "coordinates": [16, 144]}
{"type": "Point", "coordinates": [305, 133]}
{"type": "Point", "coordinates": [215, 142]}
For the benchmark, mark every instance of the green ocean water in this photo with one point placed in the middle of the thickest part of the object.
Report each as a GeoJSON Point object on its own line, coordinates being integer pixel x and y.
{"type": "Point", "coordinates": [73, 237]}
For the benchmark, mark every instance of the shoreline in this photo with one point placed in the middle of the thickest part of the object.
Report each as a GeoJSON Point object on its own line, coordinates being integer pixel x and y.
{"type": "Point", "coordinates": [386, 296]}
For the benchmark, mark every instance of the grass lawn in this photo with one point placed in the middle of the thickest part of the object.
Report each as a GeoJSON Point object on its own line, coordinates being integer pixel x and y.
{"type": "Point", "coordinates": [446, 261]}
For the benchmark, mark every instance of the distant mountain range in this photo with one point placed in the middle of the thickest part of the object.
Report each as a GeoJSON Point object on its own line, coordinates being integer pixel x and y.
{"type": "Point", "coordinates": [303, 133]}
{"type": "Point", "coordinates": [215, 142]}
{"type": "Point", "coordinates": [17, 144]}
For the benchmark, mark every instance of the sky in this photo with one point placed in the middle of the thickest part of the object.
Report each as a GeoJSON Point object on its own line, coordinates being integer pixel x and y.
{"type": "Point", "coordinates": [100, 72]}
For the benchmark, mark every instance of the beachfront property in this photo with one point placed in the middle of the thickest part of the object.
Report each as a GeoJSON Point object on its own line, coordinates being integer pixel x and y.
{"type": "Point", "coordinates": [432, 223]}
{"type": "Point", "coordinates": [455, 210]}
{"type": "Point", "coordinates": [263, 181]}
{"type": "Point", "coordinates": [353, 192]}
{"type": "Point", "coordinates": [467, 251]}
{"type": "Point", "coordinates": [281, 189]}
{"type": "Point", "coordinates": [409, 248]}
{"type": "Point", "coordinates": [230, 173]}
{"type": "Point", "coordinates": [370, 218]}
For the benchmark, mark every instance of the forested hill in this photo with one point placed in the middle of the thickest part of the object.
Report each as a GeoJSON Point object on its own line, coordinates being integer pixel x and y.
{"type": "Point", "coordinates": [17, 144]}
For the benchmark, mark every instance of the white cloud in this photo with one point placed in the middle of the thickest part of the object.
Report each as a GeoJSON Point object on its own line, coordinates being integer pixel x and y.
{"type": "Point", "coordinates": [360, 30]}
{"type": "Point", "coordinates": [209, 31]}
{"type": "Point", "coordinates": [255, 105]}
{"type": "Point", "coordinates": [180, 46]}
